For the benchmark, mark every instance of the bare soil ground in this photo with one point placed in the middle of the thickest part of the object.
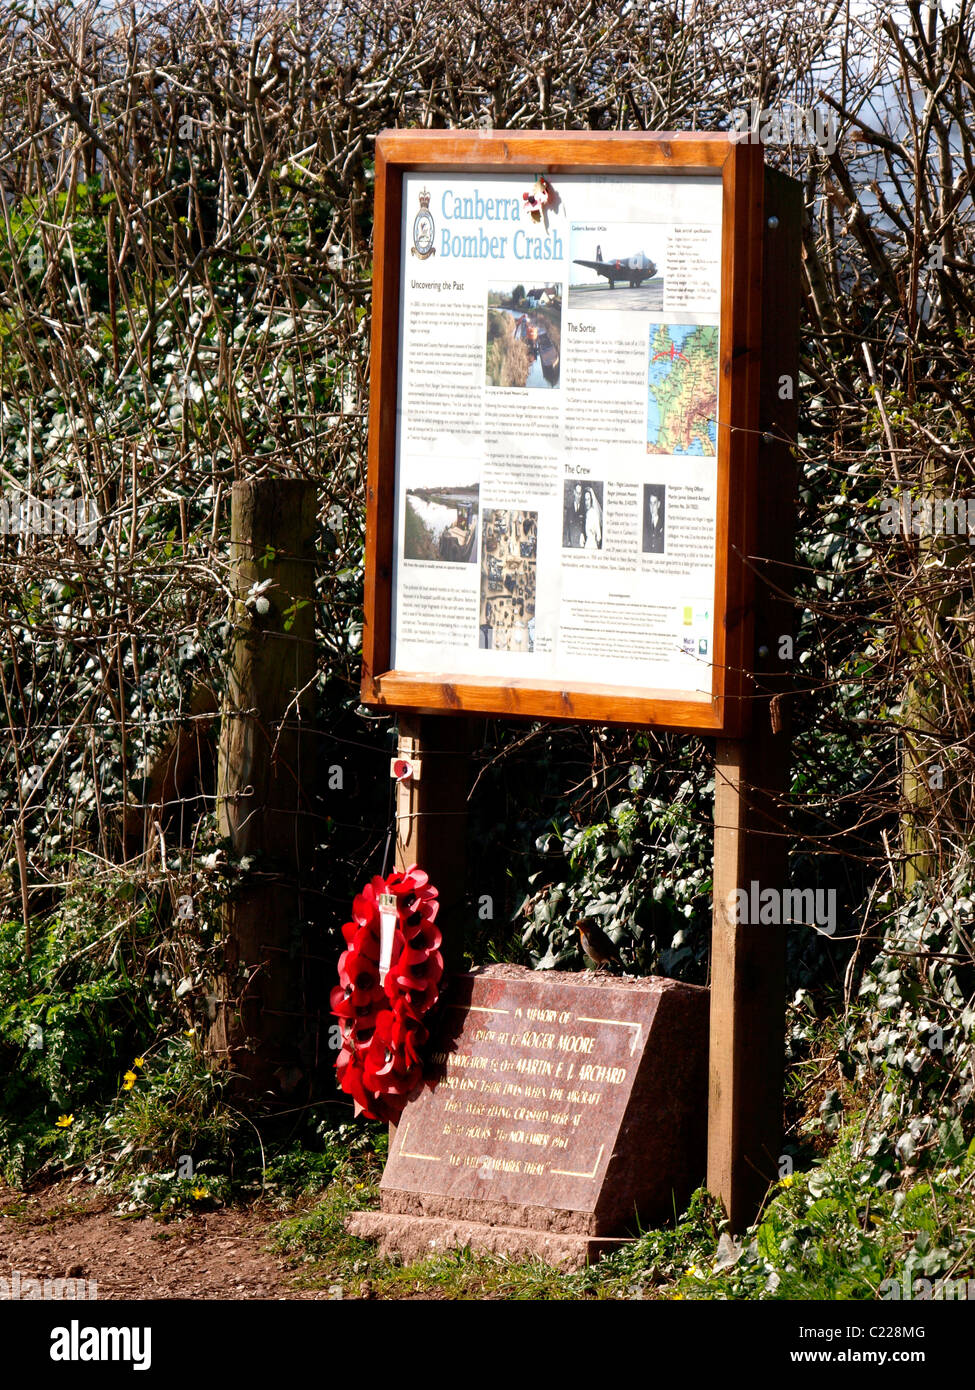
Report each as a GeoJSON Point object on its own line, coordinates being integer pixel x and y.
{"type": "Point", "coordinates": [63, 1233]}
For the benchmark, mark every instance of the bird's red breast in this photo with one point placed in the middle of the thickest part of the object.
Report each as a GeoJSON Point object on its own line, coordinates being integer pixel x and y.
{"type": "Point", "coordinates": [596, 944]}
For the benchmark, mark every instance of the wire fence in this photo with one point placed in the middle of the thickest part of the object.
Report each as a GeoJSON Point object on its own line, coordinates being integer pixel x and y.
{"type": "Point", "coordinates": [184, 302]}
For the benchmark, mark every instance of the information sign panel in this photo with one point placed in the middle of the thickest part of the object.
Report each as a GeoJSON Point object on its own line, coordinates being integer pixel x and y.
{"type": "Point", "coordinates": [562, 428]}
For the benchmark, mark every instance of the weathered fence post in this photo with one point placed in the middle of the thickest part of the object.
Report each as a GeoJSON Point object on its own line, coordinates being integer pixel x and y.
{"type": "Point", "coordinates": [260, 1014]}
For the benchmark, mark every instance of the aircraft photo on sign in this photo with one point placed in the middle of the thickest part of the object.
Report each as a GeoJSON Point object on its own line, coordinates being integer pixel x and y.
{"type": "Point", "coordinates": [615, 266]}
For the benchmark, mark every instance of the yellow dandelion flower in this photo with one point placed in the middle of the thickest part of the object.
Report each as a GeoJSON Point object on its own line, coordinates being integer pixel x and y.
{"type": "Point", "coordinates": [139, 1062]}
{"type": "Point", "coordinates": [64, 1121]}
{"type": "Point", "coordinates": [787, 1181]}
{"type": "Point", "coordinates": [190, 1033]}
{"type": "Point", "coordinates": [676, 1297]}
{"type": "Point", "coordinates": [198, 1193]}
{"type": "Point", "coordinates": [129, 1080]}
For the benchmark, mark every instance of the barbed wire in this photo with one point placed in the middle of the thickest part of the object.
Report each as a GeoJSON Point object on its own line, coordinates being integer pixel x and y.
{"type": "Point", "coordinates": [185, 275]}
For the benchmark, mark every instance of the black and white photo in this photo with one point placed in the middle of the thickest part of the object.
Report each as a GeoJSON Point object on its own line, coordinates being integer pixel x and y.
{"type": "Point", "coordinates": [582, 515]}
{"type": "Point", "coordinates": [654, 508]}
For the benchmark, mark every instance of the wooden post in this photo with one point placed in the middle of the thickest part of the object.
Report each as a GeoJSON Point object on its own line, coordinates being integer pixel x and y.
{"type": "Point", "coordinates": [431, 812]}
{"type": "Point", "coordinates": [260, 1009]}
{"type": "Point", "coordinates": [752, 774]}
{"type": "Point", "coordinates": [431, 816]}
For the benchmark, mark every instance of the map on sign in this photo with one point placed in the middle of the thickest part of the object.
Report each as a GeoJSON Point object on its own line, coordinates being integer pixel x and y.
{"type": "Point", "coordinates": [683, 390]}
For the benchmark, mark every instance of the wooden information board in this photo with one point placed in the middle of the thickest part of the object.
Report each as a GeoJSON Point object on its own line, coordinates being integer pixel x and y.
{"type": "Point", "coordinates": [581, 504]}
{"type": "Point", "coordinates": [562, 442]}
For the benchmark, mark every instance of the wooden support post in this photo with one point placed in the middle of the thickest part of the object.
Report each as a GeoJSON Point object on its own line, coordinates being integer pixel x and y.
{"type": "Point", "coordinates": [258, 1025]}
{"type": "Point", "coordinates": [431, 815]}
{"type": "Point", "coordinates": [431, 812]}
{"type": "Point", "coordinates": [752, 774]}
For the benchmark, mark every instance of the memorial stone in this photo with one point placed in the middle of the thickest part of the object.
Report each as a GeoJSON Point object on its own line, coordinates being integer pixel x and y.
{"type": "Point", "coordinates": [561, 1112]}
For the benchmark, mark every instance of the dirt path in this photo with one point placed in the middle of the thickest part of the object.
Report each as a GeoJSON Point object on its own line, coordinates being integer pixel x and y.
{"type": "Point", "coordinates": [59, 1234]}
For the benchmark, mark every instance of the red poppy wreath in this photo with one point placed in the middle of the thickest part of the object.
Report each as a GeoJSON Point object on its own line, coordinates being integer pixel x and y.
{"type": "Point", "coordinates": [385, 988]}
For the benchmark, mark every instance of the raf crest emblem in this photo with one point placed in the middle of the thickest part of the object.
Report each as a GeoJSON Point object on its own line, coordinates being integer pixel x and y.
{"type": "Point", "coordinates": [424, 229]}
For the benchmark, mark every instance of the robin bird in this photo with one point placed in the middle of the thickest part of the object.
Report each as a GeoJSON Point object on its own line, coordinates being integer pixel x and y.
{"type": "Point", "coordinates": [597, 945]}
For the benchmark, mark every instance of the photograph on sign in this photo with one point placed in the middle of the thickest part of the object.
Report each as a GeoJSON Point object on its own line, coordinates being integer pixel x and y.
{"type": "Point", "coordinates": [557, 428]}
{"type": "Point", "coordinates": [617, 265]}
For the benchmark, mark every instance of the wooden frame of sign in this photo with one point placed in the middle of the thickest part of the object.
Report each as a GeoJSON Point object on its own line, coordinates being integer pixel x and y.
{"type": "Point", "coordinates": [747, 707]}
{"type": "Point", "coordinates": [724, 707]}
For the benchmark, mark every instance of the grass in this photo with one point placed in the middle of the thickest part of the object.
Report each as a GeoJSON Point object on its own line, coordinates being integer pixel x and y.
{"type": "Point", "coordinates": [838, 1231]}
{"type": "Point", "coordinates": [351, 1266]}
{"type": "Point", "coordinates": [858, 1217]}
{"type": "Point", "coordinates": [828, 1234]}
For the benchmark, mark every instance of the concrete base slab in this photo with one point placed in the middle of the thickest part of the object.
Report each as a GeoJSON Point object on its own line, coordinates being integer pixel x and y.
{"type": "Point", "coordinates": [417, 1237]}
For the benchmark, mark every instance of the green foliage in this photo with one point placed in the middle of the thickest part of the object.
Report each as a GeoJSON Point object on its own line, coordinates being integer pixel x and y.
{"type": "Point", "coordinates": [826, 1234]}
{"type": "Point", "coordinates": [301, 1170]}
{"type": "Point", "coordinates": [832, 1233]}
{"type": "Point", "coordinates": [643, 873]}
{"type": "Point", "coordinates": [72, 1015]}
{"type": "Point", "coordinates": [150, 359]}
{"type": "Point", "coordinates": [912, 1035]}
{"type": "Point", "coordinates": [114, 974]}
{"type": "Point", "coordinates": [175, 1109]}
{"type": "Point", "coordinates": [166, 1195]}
